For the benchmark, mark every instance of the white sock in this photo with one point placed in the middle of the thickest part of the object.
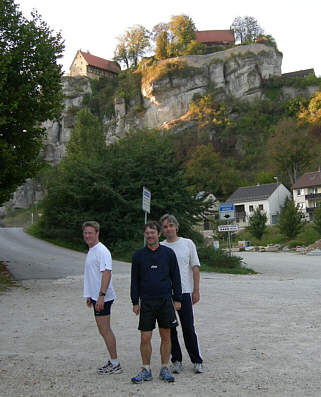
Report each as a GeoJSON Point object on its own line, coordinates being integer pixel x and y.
{"type": "Point", "coordinates": [114, 362]}
{"type": "Point", "coordinates": [147, 367]}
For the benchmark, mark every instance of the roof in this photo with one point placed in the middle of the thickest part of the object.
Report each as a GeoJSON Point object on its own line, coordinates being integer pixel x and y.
{"type": "Point", "coordinates": [100, 63]}
{"type": "Point", "coordinates": [308, 179]}
{"type": "Point", "coordinates": [299, 73]}
{"type": "Point", "coordinates": [215, 36]}
{"type": "Point", "coordinates": [252, 193]}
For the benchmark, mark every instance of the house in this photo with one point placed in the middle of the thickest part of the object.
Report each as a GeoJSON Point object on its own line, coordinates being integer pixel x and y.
{"type": "Point", "coordinates": [307, 193]}
{"type": "Point", "coordinates": [268, 197]}
{"type": "Point", "coordinates": [215, 37]}
{"type": "Point", "coordinates": [86, 64]}
{"type": "Point", "coordinates": [299, 73]}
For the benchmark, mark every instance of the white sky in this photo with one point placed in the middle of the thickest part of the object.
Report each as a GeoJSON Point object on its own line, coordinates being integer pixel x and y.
{"type": "Point", "coordinates": [94, 25]}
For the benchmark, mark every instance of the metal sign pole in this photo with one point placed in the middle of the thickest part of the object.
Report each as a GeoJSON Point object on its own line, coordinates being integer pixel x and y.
{"type": "Point", "coordinates": [229, 241]}
{"type": "Point", "coordinates": [145, 221]}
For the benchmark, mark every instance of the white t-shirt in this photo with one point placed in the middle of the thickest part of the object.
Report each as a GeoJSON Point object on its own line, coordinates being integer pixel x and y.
{"type": "Point", "coordinates": [187, 258]}
{"type": "Point", "coordinates": [98, 259]}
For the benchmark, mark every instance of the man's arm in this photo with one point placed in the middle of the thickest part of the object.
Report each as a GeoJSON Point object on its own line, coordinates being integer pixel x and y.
{"type": "Point", "coordinates": [176, 282]}
{"type": "Point", "coordinates": [105, 280]}
{"type": "Point", "coordinates": [134, 286]}
{"type": "Point", "coordinates": [196, 289]}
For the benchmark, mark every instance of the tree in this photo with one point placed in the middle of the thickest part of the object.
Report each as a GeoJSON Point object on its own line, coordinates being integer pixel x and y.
{"type": "Point", "coordinates": [246, 29]}
{"type": "Point", "coordinates": [183, 30]}
{"type": "Point", "coordinates": [162, 43]}
{"type": "Point", "coordinates": [105, 183]}
{"type": "Point", "coordinates": [132, 45]}
{"type": "Point", "coordinates": [207, 171]}
{"type": "Point", "coordinates": [317, 218]}
{"type": "Point", "coordinates": [291, 149]}
{"type": "Point", "coordinates": [31, 92]}
{"type": "Point", "coordinates": [291, 219]}
{"type": "Point", "coordinates": [257, 223]}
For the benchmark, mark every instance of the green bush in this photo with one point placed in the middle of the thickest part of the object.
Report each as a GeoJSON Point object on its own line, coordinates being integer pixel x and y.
{"type": "Point", "coordinates": [217, 260]}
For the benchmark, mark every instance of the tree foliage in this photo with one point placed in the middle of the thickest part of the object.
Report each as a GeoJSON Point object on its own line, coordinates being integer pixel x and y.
{"type": "Point", "coordinates": [105, 183]}
{"type": "Point", "coordinates": [183, 30]}
{"type": "Point", "coordinates": [257, 223]}
{"type": "Point", "coordinates": [132, 45]}
{"type": "Point", "coordinates": [291, 219]}
{"type": "Point", "coordinates": [30, 86]}
{"type": "Point", "coordinates": [317, 218]}
{"type": "Point", "coordinates": [291, 149]}
{"type": "Point", "coordinates": [246, 29]}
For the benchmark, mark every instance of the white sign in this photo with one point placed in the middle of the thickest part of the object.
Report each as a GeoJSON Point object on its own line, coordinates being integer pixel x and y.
{"type": "Point", "coordinates": [227, 212]}
{"type": "Point", "coordinates": [228, 228]}
{"type": "Point", "coordinates": [146, 200]}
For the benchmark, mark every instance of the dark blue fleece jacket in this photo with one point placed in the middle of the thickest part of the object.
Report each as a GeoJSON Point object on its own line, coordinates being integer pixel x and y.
{"type": "Point", "coordinates": [155, 275]}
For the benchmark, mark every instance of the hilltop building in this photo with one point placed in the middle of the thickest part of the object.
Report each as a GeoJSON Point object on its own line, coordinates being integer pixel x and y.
{"type": "Point", "coordinates": [215, 37]}
{"type": "Point", "coordinates": [86, 64]}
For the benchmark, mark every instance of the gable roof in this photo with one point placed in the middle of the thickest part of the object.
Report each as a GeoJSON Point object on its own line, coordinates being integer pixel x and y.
{"type": "Point", "coordinates": [215, 36]}
{"type": "Point", "coordinates": [308, 179]}
{"type": "Point", "coordinates": [100, 63]}
{"type": "Point", "coordinates": [252, 193]}
{"type": "Point", "coordinates": [299, 73]}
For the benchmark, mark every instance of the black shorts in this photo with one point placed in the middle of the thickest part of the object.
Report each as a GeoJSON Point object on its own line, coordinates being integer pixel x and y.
{"type": "Point", "coordinates": [161, 310]}
{"type": "Point", "coordinates": [105, 311]}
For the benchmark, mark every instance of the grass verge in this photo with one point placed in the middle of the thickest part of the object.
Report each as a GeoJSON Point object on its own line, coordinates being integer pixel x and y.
{"type": "Point", "coordinates": [6, 280]}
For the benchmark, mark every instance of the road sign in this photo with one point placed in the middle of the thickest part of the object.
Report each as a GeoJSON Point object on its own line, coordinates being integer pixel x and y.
{"type": "Point", "coordinates": [146, 200]}
{"type": "Point", "coordinates": [227, 212]}
{"type": "Point", "coordinates": [228, 228]}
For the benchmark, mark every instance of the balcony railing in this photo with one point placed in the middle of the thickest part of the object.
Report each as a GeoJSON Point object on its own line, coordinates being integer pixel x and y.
{"type": "Point", "coordinates": [313, 196]}
{"type": "Point", "coordinates": [310, 209]}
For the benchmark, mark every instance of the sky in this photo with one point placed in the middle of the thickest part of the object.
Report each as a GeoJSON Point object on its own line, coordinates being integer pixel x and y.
{"type": "Point", "coordinates": [95, 25]}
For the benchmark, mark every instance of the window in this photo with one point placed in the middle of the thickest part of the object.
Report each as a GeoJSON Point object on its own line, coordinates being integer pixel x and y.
{"type": "Point", "coordinates": [251, 208]}
{"type": "Point", "coordinates": [261, 207]}
{"type": "Point", "coordinates": [299, 192]}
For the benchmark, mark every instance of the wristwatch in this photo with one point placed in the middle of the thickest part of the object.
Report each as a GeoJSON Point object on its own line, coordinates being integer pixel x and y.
{"type": "Point", "coordinates": [102, 293]}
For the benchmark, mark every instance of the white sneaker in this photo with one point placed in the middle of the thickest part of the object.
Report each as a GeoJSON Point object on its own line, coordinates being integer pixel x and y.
{"type": "Point", "coordinates": [198, 368]}
{"type": "Point", "coordinates": [177, 367]}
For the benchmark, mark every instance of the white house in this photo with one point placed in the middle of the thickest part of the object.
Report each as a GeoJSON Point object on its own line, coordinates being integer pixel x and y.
{"type": "Point", "coordinates": [268, 197]}
{"type": "Point", "coordinates": [307, 193]}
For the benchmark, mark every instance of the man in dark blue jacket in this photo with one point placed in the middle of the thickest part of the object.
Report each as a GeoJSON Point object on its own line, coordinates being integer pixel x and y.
{"type": "Point", "coordinates": [155, 293]}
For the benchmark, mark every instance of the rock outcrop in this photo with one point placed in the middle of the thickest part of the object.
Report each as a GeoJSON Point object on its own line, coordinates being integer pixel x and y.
{"type": "Point", "coordinates": [236, 72]}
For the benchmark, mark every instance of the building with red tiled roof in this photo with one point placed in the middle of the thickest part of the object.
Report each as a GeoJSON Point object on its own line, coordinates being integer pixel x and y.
{"type": "Point", "coordinates": [86, 64]}
{"type": "Point", "coordinates": [215, 37]}
{"type": "Point", "coordinates": [307, 193]}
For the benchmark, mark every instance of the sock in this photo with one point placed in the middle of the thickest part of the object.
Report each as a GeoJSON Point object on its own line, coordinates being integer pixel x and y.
{"type": "Point", "coordinates": [164, 365]}
{"type": "Point", "coordinates": [114, 362]}
{"type": "Point", "coordinates": [147, 367]}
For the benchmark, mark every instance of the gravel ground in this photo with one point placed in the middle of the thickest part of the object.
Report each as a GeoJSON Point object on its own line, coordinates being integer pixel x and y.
{"type": "Point", "coordinates": [259, 336]}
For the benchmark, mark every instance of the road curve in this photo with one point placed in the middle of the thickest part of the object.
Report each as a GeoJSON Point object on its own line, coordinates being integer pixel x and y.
{"type": "Point", "coordinates": [28, 258]}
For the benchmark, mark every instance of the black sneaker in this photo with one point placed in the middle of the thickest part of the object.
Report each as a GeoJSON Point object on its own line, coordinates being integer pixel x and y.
{"type": "Point", "coordinates": [109, 369]}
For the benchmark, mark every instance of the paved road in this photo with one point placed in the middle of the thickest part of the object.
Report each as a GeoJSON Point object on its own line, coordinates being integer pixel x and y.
{"type": "Point", "coordinates": [28, 258]}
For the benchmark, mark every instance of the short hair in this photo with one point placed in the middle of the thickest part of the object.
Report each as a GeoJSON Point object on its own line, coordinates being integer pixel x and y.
{"type": "Point", "coordinates": [93, 224]}
{"type": "Point", "coordinates": [152, 225]}
{"type": "Point", "coordinates": [169, 218]}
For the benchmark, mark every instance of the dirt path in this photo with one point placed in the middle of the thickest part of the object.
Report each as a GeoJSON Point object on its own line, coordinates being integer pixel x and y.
{"type": "Point", "coordinates": [260, 336]}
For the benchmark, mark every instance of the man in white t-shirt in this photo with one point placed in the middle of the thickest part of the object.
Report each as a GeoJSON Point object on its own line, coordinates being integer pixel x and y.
{"type": "Point", "coordinates": [99, 292]}
{"type": "Point", "coordinates": [189, 264]}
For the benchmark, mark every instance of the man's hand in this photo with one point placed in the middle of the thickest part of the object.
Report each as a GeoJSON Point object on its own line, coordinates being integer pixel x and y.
{"type": "Point", "coordinates": [88, 302]}
{"type": "Point", "coordinates": [177, 305]}
{"type": "Point", "coordinates": [136, 309]}
{"type": "Point", "coordinates": [195, 296]}
{"type": "Point", "coordinates": [100, 304]}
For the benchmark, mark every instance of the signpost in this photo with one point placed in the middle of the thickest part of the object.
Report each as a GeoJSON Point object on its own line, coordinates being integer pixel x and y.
{"type": "Point", "coordinates": [227, 213]}
{"type": "Point", "coordinates": [146, 204]}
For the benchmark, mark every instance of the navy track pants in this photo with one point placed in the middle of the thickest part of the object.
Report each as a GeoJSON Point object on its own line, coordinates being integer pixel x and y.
{"type": "Point", "coordinates": [186, 317]}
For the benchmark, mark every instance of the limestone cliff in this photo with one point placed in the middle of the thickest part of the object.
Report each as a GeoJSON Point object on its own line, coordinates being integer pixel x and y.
{"type": "Point", "coordinates": [236, 72]}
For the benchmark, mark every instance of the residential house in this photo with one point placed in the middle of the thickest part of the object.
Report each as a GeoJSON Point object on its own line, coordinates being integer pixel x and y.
{"type": "Point", "coordinates": [268, 197]}
{"type": "Point", "coordinates": [307, 193]}
{"type": "Point", "coordinates": [215, 37]}
{"type": "Point", "coordinates": [86, 64]}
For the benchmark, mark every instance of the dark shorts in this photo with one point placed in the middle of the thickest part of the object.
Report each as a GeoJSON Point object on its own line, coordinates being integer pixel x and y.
{"type": "Point", "coordinates": [161, 310]}
{"type": "Point", "coordinates": [105, 311]}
